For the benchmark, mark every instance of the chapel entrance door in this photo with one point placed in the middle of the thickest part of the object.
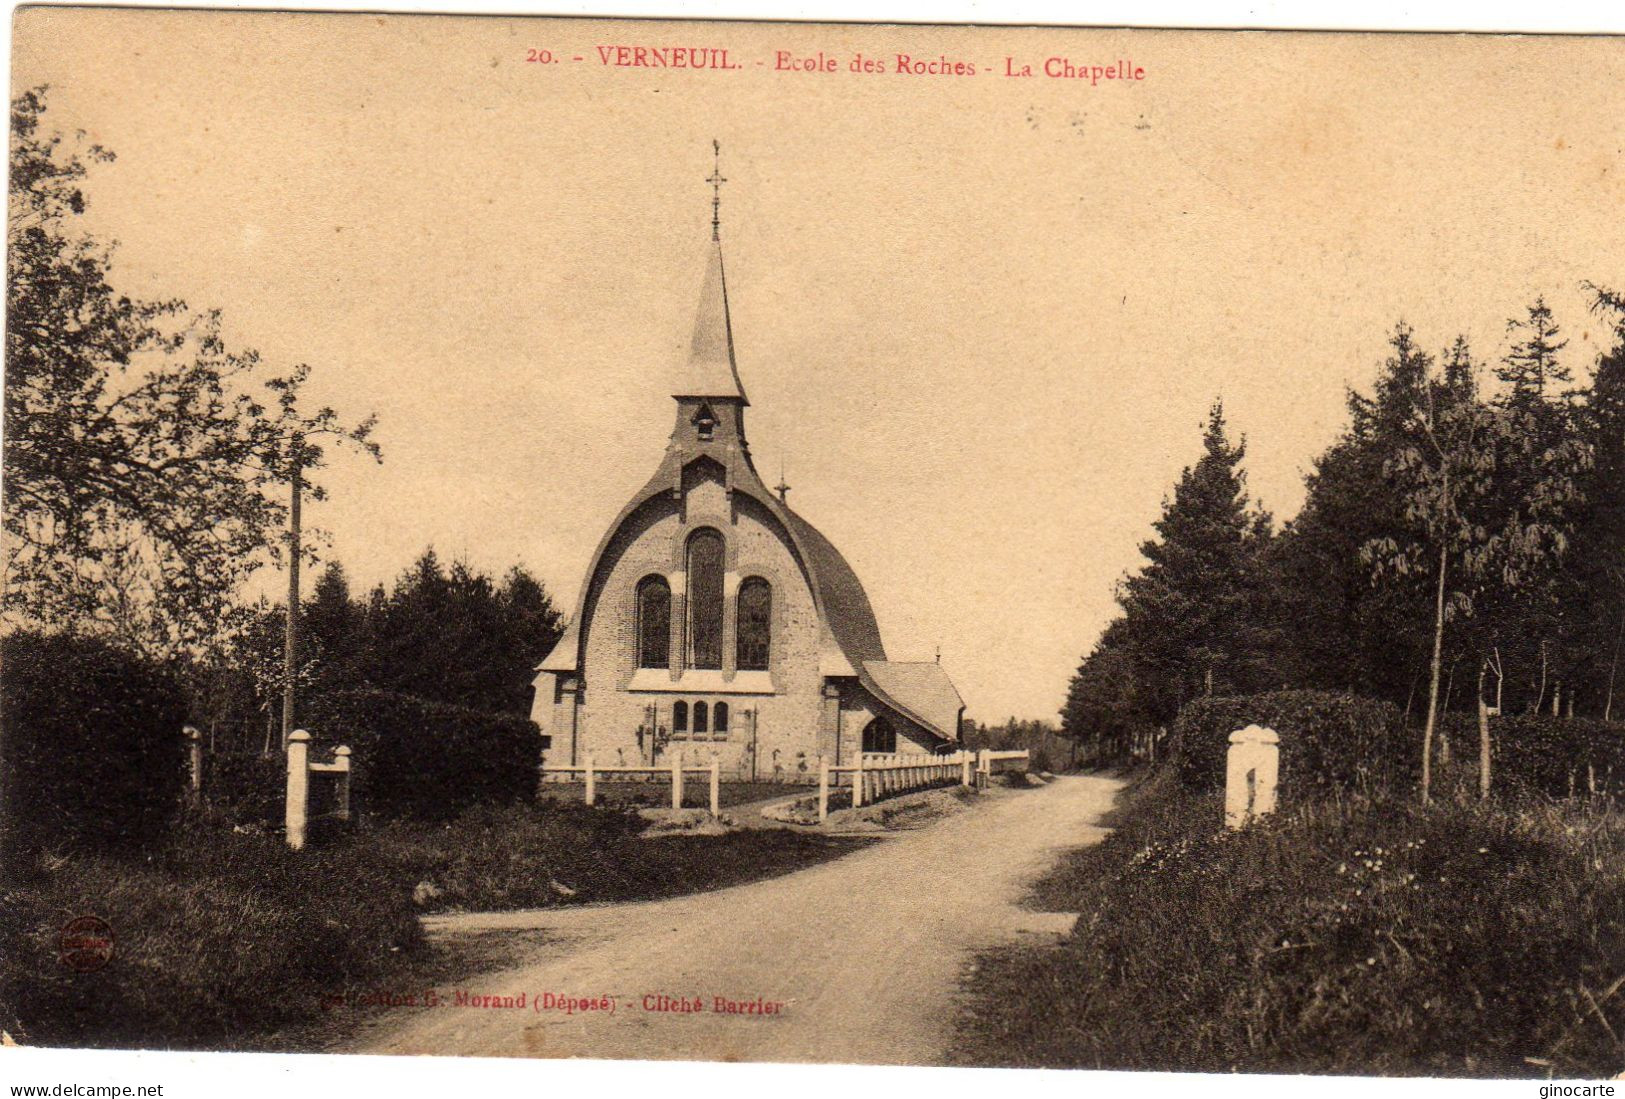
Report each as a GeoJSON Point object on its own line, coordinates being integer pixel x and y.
{"type": "Point", "coordinates": [879, 736]}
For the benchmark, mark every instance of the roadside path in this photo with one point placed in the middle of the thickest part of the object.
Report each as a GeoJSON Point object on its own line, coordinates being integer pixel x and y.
{"type": "Point", "coordinates": [864, 953]}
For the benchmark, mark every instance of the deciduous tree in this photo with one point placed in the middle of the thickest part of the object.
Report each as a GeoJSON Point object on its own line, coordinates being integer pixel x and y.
{"type": "Point", "coordinates": [140, 450]}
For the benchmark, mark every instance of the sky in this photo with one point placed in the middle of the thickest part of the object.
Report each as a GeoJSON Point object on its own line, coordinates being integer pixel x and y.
{"type": "Point", "coordinates": [980, 318]}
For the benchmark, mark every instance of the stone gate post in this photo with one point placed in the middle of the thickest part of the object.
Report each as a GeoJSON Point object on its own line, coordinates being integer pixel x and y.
{"type": "Point", "coordinates": [194, 763]}
{"type": "Point", "coordinates": [297, 806]}
{"type": "Point", "coordinates": [1252, 767]}
{"type": "Point", "coordinates": [342, 767]}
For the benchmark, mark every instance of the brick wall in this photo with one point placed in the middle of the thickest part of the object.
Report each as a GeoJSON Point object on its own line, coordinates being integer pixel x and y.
{"type": "Point", "coordinates": [782, 731]}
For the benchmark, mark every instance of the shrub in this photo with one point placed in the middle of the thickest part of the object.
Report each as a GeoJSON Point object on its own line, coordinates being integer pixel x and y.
{"type": "Point", "coordinates": [424, 759]}
{"type": "Point", "coordinates": [222, 938]}
{"type": "Point", "coordinates": [1546, 755]}
{"type": "Point", "coordinates": [1328, 741]}
{"type": "Point", "coordinates": [1344, 935]}
{"type": "Point", "coordinates": [245, 787]}
{"type": "Point", "coordinates": [94, 757]}
{"type": "Point", "coordinates": [216, 935]}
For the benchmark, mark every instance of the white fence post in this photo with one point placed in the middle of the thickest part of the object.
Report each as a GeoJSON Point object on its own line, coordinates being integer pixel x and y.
{"type": "Point", "coordinates": [716, 787]}
{"type": "Point", "coordinates": [823, 789]}
{"type": "Point", "coordinates": [857, 782]}
{"type": "Point", "coordinates": [677, 779]}
{"type": "Point", "coordinates": [1252, 766]}
{"type": "Point", "coordinates": [592, 779]}
{"type": "Point", "coordinates": [298, 796]}
{"type": "Point", "coordinates": [341, 789]}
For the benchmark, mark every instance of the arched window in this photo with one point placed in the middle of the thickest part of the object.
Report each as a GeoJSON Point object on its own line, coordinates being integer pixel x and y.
{"type": "Point", "coordinates": [699, 718]}
{"type": "Point", "coordinates": [679, 719]}
{"type": "Point", "coordinates": [755, 624]}
{"type": "Point", "coordinates": [719, 718]}
{"type": "Point", "coordinates": [654, 623]}
{"type": "Point", "coordinates": [705, 567]}
{"type": "Point", "coordinates": [879, 736]}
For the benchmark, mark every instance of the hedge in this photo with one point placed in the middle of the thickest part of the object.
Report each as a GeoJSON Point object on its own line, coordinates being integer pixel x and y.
{"type": "Point", "coordinates": [94, 758]}
{"type": "Point", "coordinates": [1542, 754]}
{"type": "Point", "coordinates": [1328, 740]}
{"type": "Point", "coordinates": [245, 788]}
{"type": "Point", "coordinates": [423, 759]}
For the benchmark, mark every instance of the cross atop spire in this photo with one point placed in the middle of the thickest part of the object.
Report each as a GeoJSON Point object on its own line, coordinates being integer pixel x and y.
{"type": "Point", "coordinates": [711, 371]}
{"type": "Point", "coordinates": [716, 180]}
{"type": "Point", "coordinates": [783, 487]}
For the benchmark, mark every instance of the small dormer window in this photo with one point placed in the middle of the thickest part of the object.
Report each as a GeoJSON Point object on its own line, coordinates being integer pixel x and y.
{"type": "Point", "coordinates": [705, 423]}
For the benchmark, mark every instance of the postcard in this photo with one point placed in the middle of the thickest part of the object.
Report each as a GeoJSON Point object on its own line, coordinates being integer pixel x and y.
{"type": "Point", "coordinates": [1025, 547]}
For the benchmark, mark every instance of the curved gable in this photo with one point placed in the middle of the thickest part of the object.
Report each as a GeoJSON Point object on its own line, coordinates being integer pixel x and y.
{"type": "Point", "coordinates": [843, 606]}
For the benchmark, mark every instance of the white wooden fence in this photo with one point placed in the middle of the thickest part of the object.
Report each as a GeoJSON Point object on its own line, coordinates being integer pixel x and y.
{"type": "Point", "coordinates": [874, 776]}
{"type": "Point", "coordinates": [880, 775]}
{"type": "Point", "coordinates": [676, 769]}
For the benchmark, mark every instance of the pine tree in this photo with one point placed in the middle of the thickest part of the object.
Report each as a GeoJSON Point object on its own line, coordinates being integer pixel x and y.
{"type": "Point", "coordinates": [454, 635]}
{"type": "Point", "coordinates": [1192, 615]}
{"type": "Point", "coordinates": [1540, 459]}
{"type": "Point", "coordinates": [1105, 707]}
{"type": "Point", "coordinates": [333, 629]}
{"type": "Point", "coordinates": [1595, 578]}
{"type": "Point", "coordinates": [1531, 371]}
{"type": "Point", "coordinates": [533, 625]}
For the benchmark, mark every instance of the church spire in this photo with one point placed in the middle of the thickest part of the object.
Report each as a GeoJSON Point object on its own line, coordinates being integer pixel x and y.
{"type": "Point", "coordinates": [711, 370]}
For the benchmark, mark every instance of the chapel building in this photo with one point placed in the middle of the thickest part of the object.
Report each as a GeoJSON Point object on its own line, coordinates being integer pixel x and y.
{"type": "Point", "coordinates": [715, 620]}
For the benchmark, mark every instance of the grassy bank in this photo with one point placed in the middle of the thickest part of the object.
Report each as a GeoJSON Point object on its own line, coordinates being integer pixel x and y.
{"type": "Point", "coordinates": [222, 936]}
{"type": "Point", "coordinates": [656, 793]}
{"type": "Point", "coordinates": [1343, 936]}
{"type": "Point", "coordinates": [537, 856]}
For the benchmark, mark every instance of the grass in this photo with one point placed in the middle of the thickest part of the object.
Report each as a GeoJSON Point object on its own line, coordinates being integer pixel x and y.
{"type": "Point", "coordinates": [656, 794]}
{"type": "Point", "coordinates": [224, 938]}
{"type": "Point", "coordinates": [212, 938]}
{"type": "Point", "coordinates": [1341, 936]}
{"type": "Point", "coordinates": [536, 856]}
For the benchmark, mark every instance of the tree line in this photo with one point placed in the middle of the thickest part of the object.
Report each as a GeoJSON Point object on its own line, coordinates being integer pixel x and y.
{"type": "Point", "coordinates": [1463, 539]}
{"type": "Point", "coordinates": [147, 474]}
{"type": "Point", "coordinates": [446, 633]}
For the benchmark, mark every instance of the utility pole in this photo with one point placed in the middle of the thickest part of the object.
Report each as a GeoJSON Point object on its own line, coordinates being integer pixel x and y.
{"type": "Point", "coordinates": [290, 653]}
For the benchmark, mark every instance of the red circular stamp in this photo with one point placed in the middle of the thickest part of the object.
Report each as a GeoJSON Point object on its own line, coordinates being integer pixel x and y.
{"type": "Point", "coordinates": [86, 944]}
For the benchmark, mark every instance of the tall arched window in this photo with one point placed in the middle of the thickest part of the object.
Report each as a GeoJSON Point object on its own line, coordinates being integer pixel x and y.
{"type": "Point", "coordinates": [679, 718]}
{"type": "Point", "coordinates": [654, 623]}
{"type": "Point", "coordinates": [719, 718]}
{"type": "Point", "coordinates": [699, 718]}
{"type": "Point", "coordinates": [755, 624]}
{"type": "Point", "coordinates": [705, 566]}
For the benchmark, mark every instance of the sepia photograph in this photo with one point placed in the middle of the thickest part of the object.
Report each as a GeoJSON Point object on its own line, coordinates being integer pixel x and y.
{"type": "Point", "coordinates": [996, 547]}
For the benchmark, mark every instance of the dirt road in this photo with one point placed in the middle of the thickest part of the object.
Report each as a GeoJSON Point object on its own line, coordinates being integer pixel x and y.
{"type": "Point", "coordinates": [863, 955]}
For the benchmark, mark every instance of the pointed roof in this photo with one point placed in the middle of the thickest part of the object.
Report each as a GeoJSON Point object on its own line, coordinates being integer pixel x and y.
{"type": "Point", "coordinates": [922, 688]}
{"type": "Point", "coordinates": [711, 370]}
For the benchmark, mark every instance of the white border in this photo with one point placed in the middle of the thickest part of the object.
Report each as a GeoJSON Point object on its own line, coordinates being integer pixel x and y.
{"type": "Point", "coordinates": [274, 1076]}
